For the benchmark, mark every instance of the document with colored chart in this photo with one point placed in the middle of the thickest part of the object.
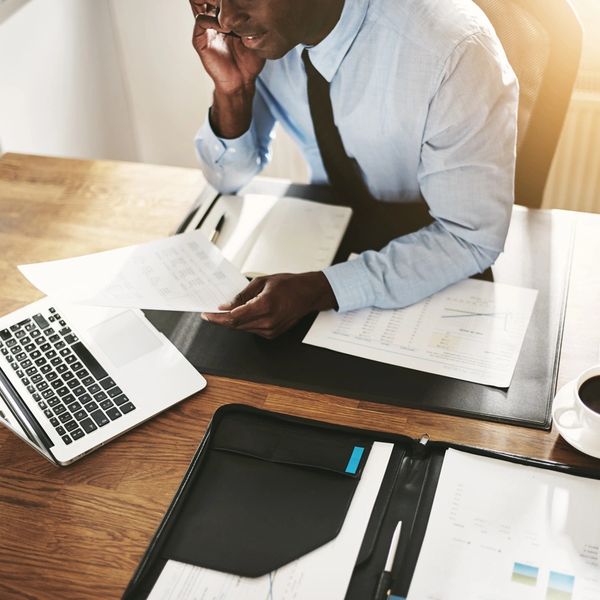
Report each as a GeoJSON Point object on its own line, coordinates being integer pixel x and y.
{"type": "Point", "coordinates": [501, 531]}
{"type": "Point", "coordinates": [472, 330]}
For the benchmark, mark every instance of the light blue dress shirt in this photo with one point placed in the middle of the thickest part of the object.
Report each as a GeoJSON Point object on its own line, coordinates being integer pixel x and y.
{"type": "Point", "coordinates": [426, 102]}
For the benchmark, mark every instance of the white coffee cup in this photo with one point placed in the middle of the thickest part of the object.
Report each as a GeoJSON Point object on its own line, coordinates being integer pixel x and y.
{"type": "Point", "coordinates": [581, 415]}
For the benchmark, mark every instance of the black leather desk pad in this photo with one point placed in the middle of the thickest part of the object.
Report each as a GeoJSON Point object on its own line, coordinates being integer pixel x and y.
{"type": "Point", "coordinates": [537, 255]}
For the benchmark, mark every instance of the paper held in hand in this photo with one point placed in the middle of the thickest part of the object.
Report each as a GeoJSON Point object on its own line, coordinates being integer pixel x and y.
{"type": "Point", "coordinates": [184, 272]}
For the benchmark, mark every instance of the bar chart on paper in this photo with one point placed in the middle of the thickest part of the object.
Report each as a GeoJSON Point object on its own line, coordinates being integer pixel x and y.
{"type": "Point", "coordinates": [559, 587]}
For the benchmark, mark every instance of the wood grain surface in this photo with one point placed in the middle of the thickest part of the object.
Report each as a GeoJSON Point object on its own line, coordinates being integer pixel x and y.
{"type": "Point", "coordinates": [78, 532]}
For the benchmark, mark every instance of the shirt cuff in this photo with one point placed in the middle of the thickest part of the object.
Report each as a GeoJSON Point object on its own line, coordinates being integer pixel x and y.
{"type": "Point", "coordinates": [350, 284]}
{"type": "Point", "coordinates": [216, 150]}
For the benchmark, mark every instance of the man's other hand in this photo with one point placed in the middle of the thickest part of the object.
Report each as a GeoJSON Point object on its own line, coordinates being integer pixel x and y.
{"type": "Point", "coordinates": [270, 305]}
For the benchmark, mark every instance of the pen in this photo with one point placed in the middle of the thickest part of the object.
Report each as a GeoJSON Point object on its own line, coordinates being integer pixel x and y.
{"type": "Point", "coordinates": [217, 230]}
{"type": "Point", "coordinates": [385, 579]}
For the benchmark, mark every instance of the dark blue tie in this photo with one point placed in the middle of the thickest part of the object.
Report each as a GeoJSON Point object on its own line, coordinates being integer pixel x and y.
{"type": "Point", "coordinates": [343, 172]}
{"type": "Point", "coordinates": [373, 223]}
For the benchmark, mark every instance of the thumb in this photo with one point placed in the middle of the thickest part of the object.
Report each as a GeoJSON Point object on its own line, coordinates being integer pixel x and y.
{"type": "Point", "coordinates": [252, 290]}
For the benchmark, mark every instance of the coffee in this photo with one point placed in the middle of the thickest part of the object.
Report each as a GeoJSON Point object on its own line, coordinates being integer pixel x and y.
{"type": "Point", "coordinates": [589, 392]}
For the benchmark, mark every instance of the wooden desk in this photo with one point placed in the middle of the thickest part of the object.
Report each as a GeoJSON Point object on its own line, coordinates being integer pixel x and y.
{"type": "Point", "coordinates": [79, 531]}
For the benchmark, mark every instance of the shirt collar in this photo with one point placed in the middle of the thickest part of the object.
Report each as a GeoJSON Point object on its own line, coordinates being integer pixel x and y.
{"type": "Point", "coordinates": [328, 54]}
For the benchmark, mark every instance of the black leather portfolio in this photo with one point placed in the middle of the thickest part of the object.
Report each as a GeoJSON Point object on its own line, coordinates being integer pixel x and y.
{"type": "Point", "coordinates": [537, 255]}
{"type": "Point", "coordinates": [264, 489]}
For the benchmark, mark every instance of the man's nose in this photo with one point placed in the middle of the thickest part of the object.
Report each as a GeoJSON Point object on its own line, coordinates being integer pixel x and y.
{"type": "Point", "coordinates": [229, 15]}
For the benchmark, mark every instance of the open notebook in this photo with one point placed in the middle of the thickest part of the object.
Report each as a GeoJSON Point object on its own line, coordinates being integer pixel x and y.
{"type": "Point", "coordinates": [263, 234]}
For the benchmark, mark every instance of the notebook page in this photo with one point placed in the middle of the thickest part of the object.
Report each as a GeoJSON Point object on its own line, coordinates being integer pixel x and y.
{"type": "Point", "coordinates": [244, 219]}
{"type": "Point", "coordinates": [296, 236]}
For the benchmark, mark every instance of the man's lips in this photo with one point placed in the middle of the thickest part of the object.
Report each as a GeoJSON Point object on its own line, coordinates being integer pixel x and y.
{"type": "Point", "coordinates": [250, 40]}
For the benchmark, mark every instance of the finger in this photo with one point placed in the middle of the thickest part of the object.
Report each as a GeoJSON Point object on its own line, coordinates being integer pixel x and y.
{"type": "Point", "coordinates": [205, 15]}
{"type": "Point", "coordinates": [253, 289]}
{"type": "Point", "coordinates": [242, 316]}
{"type": "Point", "coordinates": [205, 22]}
{"type": "Point", "coordinates": [267, 328]}
{"type": "Point", "coordinates": [227, 320]}
{"type": "Point", "coordinates": [219, 318]}
{"type": "Point", "coordinates": [261, 326]}
{"type": "Point", "coordinates": [204, 8]}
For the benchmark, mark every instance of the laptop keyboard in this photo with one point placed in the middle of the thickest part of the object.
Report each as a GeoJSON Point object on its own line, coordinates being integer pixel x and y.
{"type": "Point", "coordinates": [67, 382]}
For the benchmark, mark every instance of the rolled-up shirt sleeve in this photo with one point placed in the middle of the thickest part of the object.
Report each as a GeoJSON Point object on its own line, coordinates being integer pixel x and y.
{"type": "Point", "coordinates": [228, 164]}
{"type": "Point", "coordinates": [466, 176]}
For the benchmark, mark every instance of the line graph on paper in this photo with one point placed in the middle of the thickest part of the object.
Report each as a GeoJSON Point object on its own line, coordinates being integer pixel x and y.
{"type": "Point", "coordinates": [472, 330]}
{"type": "Point", "coordinates": [502, 317]}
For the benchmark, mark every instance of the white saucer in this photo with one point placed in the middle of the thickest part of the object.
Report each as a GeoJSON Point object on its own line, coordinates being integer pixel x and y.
{"type": "Point", "coordinates": [580, 438]}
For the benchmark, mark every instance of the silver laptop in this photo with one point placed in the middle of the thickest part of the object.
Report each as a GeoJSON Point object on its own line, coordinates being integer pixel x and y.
{"type": "Point", "coordinates": [73, 377]}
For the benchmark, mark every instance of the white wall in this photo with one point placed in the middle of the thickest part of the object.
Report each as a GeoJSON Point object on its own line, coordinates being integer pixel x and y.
{"type": "Point", "coordinates": [61, 87]}
{"type": "Point", "coordinates": [166, 85]}
{"type": "Point", "coordinates": [168, 89]}
{"type": "Point", "coordinates": [8, 7]}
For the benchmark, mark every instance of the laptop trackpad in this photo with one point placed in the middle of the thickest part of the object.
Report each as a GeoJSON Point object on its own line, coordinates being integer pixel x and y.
{"type": "Point", "coordinates": [124, 338]}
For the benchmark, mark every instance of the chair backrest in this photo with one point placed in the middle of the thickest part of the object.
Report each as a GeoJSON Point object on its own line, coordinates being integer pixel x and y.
{"type": "Point", "coordinates": [542, 40]}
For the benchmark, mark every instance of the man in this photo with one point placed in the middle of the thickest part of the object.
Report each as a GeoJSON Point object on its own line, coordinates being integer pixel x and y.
{"type": "Point", "coordinates": [424, 104]}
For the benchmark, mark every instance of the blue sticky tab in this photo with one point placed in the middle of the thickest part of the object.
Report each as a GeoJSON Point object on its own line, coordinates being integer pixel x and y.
{"type": "Point", "coordinates": [393, 597]}
{"type": "Point", "coordinates": [354, 461]}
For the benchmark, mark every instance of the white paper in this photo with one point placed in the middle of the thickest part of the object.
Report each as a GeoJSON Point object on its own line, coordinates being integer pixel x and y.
{"type": "Point", "coordinates": [184, 272]}
{"type": "Point", "coordinates": [324, 573]}
{"type": "Point", "coordinates": [472, 330]}
{"type": "Point", "coordinates": [264, 234]}
{"type": "Point", "coordinates": [501, 531]}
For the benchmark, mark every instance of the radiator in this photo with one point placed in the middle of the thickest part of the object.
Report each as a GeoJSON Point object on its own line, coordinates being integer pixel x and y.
{"type": "Point", "coordinates": [574, 179]}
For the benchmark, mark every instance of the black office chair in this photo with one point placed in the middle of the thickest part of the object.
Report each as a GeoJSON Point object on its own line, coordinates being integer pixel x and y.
{"type": "Point", "coordinates": [542, 39]}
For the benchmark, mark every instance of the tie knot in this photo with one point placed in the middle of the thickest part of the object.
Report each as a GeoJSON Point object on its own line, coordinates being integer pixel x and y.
{"type": "Point", "coordinates": [314, 78]}
{"type": "Point", "coordinates": [306, 60]}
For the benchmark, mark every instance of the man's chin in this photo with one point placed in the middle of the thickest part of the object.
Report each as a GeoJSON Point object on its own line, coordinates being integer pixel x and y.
{"type": "Point", "coordinates": [271, 54]}
{"type": "Point", "coordinates": [271, 51]}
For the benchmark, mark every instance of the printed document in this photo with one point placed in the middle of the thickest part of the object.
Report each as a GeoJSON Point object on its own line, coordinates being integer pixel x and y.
{"type": "Point", "coordinates": [472, 330]}
{"type": "Point", "coordinates": [184, 272]}
{"type": "Point", "coordinates": [498, 530]}
{"type": "Point", "coordinates": [322, 573]}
